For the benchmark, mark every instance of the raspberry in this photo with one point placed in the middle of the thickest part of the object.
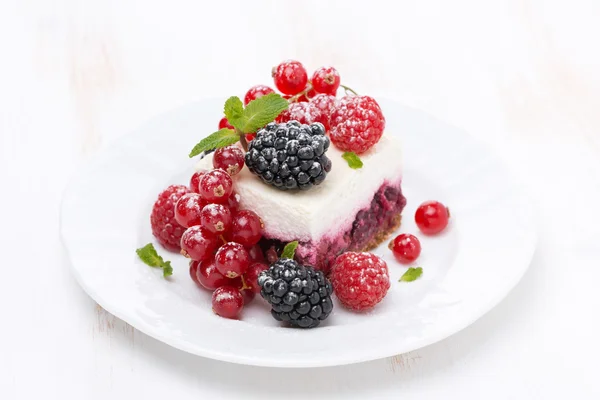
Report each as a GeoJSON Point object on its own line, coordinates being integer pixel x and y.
{"type": "Point", "coordinates": [305, 113]}
{"type": "Point", "coordinates": [326, 103]}
{"type": "Point", "coordinates": [290, 77]}
{"type": "Point", "coordinates": [326, 80]}
{"type": "Point", "coordinates": [164, 226]}
{"type": "Point", "coordinates": [256, 92]}
{"type": "Point", "coordinates": [360, 280]}
{"type": "Point", "coordinates": [357, 124]}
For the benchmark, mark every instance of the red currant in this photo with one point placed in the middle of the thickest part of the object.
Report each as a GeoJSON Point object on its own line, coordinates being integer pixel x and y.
{"type": "Point", "coordinates": [250, 137]}
{"type": "Point", "coordinates": [246, 228]}
{"type": "Point", "coordinates": [326, 80]}
{"type": "Point", "coordinates": [232, 260]}
{"type": "Point", "coordinates": [208, 276]}
{"type": "Point", "coordinates": [233, 202]}
{"type": "Point", "coordinates": [197, 243]}
{"type": "Point", "coordinates": [432, 217]}
{"type": "Point", "coordinates": [187, 210]}
{"type": "Point", "coordinates": [256, 254]}
{"type": "Point", "coordinates": [256, 92]}
{"type": "Point", "coordinates": [251, 276]}
{"type": "Point", "coordinates": [406, 248]}
{"type": "Point", "coordinates": [216, 186]}
{"type": "Point", "coordinates": [194, 271]}
{"type": "Point", "coordinates": [290, 77]}
{"type": "Point", "coordinates": [227, 302]}
{"type": "Point", "coordinates": [195, 181]}
{"type": "Point", "coordinates": [230, 159]}
{"type": "Point", "coordinates": [216, 218]}
{"type": "Point", "coordinates": [248, 295]}
{"type": "Point", "coordinates": [223, 123]}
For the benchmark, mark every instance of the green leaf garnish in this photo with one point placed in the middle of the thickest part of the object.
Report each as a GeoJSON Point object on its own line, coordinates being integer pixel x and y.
{"type": "Point", "coordinates": [234, 112]}
{"type": "Point", "coordinates": [261, 111]}
{"type": "Point", "coordinates": [411, 274]}
{"type": "Point", "coordinates": [150, 257]}
{"type": "Point", "coordinates": [221, 138]}
{"type": "Point", "coordinates": [353, 160]}
{"type": "Point", "coordinates": [289, 250]}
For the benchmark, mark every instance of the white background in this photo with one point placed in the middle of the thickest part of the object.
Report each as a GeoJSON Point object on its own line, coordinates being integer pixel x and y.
{"type": "Point", "coordinates": [522, 75]}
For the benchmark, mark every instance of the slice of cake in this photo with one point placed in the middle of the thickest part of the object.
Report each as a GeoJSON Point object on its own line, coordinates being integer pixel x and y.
{"type": "Point", "coordinates": [345, 210]}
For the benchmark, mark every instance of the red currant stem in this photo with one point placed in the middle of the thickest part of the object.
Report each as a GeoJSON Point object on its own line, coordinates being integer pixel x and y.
{"type": "Point", "coordinates": [448, 211]}
{"type": "Point", "coordinates": [244, 284]}
{"type": "Point", "coordinates": [295, 98]}
{"type": "Point", "coordinates": [347, 89]}
{"type": "Point", "coordinates": [242, 139]}
{"type": "Point", "coordinates": [223, 239]}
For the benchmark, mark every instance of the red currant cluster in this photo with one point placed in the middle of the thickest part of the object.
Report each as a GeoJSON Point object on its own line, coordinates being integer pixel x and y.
{"type": "Point", "coordinates": [221, 240]}
{"type": "Point", "coordinates": [431, 217]}
{"type": "Point", "coordinates": [355, 123]}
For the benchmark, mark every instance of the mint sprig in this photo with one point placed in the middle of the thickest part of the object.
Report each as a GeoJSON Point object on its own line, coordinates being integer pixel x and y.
{"type": "Point", "coordinates": [411, 274]}
{"type": "Point", "coordinates": [289, 250]}
{"type": "Point", "coordinates": [150, 257]}
{"type": "Point", "coordinates": [353, 160]}
{"type": "Point", "coordinates": [257, 114]}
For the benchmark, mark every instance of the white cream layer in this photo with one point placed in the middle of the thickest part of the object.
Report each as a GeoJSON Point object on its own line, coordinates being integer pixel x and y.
{"type": "Point", "coordinates": [329, 207]}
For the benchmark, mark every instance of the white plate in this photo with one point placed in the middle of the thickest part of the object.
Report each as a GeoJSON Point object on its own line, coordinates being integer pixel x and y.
{"type": "Point", "coordinates": [467, 270]}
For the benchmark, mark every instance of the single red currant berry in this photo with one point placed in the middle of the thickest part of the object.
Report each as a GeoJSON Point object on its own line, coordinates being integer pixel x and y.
{"type": "Point", "coordinates": [233, 202]}
{"type": "Point", "coordinates": [246, 228]}
{"type": "Point", "coordinates": [250, 137]}
{"type": "Point", "coordinates": [256, 254]}
{"type": "Point", "coordinates": [248, 296]}
{"type": "Point", "coordinates": [223, 123]}
{"type": "Point", "coordinates": [194, 271]}
{"type": "Point", "coordinates": [208, 276]}
{"type": "Point", "coordinates": [406, 248]}
{"type": "Point", "coordinates": [195, 181]}
{"type": "Point", "coordinates": [198, 243]}
{"type": "Point", "coordinates": [216, 186]}
{"type": "Point", "coordinates": [232, 260]}
{"type": "Point", "coordinates": [230, 159]}
{"type": "Point", "coordinates": [432, 217]}
{"type": "Point", "coordinates": [251, 276]}
{"type": "Point", "coordinates": [187, 210]}
{"type": "Point", "coordinates": [290, 77]}
{"type": "Point", "coordinates": [326, 80]}
{"type": "Point", "coordinates": [256, 92]}
{"type": "Point", "coordinates": [216, 218]}
{"type": "Point", "coordinates": [227, 302]}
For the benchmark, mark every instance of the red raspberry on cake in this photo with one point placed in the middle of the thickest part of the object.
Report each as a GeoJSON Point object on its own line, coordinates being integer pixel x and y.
{"type": "Point", "coordinates": [256, 92]}
{"type": "Point", "coordinates": [162, 219]}
{"type": "Point", "coordinates": [360, 280]}
{"type": "Point", "coordinates": [305, 113]}
{"type": "Point", "coordinates": [356, 124]}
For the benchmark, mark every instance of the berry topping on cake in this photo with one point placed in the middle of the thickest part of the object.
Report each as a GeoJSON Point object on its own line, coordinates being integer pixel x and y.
{"type": "Point", "coordinates": [256, 92]}
{"type": "Point", "coordinates": [165, 227]}
{"type": "Point", "coordinates": [216, 218]}
{"type": "Point", "coordinates": [406, 248]}
{"type": "Point", "coordinates": [290, 77]}
{"type": "Point", "coordinates": [298, 294]}
{"type": "Point", "coordinates": [326, 80]}
{"type": "Point", "coordinates": [223, 123]}
{"type": "Point", "coordinates": [198, 243]}
{"type": "Point", "coordinates": [246, 228]}
{"type": "Point", "coordinates": [227, 302]}
{"type": "Point", "coordinates": [232, 260]}
{"type": "Point", "coordinates": [305, 113]}
{"type": "Point", "coordinates": [252, 274]}
{"type": "Point", "coordinates": [432, 217]}
{"type": "Point", "coordinates": [187, 209]}
{"type": "Point", "coordinates": [216, 186]}
{"type": "Point", "coordinates": [207, 274]}
{"type": "Point", "coordinates": [195, 181]}
{"type": "Point", "coordinates": [326, 103]}
{"type": "Point", "coordinates": [230, 159]}
{"type": "Point", "coordinates": [360, 280]}
{"type": "Point", "coordinates": [290, 155]}
{"type": "Point", "coordinates": [356, 124]}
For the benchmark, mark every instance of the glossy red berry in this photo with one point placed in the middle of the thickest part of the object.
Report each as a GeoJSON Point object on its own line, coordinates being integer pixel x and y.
{"type": "Point", "coordinates": [230, 159]}
{"type": "Point", "coordinates": [432, 217]}
{"type": "Point", "coordinates": [187, 210]}
{"type": "Point", "coordinates": [216, 186]}
{"type": "Point", "coordinates": [198, 243]}
{"type": "Point", "coordinates": [195, 181]}
{"type": "Point", "coordinates": [232, 260]}
{"type": "Point", "coordinates": [216, 218]}
{"type": "Point", "coordinates": [405, 247]}
{"type": "Point", "coordinates": [290, 77]}
{"type": "Point", "coordinates": [208, 276]}
{"type": "Point", "coordinates": [251, 276]}
{"type": "Point", "coordinates": [223, 123]}
{"type": "Point", "coordinates": [233, 202]}
{"type": "Point", "coordinates": [326, 80]}
{"type": "Point", "coordinates": [248, 295]}
{"type": "Point", "coordinates": [256, 92]}
{"type": "Point", "coordinates": [357, 124]}
{"type": "Point", "coordinates": [194, 272]}
{"type": "Point", "coordinates": [246, 228]}
{"type": "Point", "coordinates": [227, 302]}
{"type": "Point", "coordinates": [165, 227]}
{"type": "Point", "coordinates": [256, 254]}
{"type": "Point", "coordinates": [250, 137]}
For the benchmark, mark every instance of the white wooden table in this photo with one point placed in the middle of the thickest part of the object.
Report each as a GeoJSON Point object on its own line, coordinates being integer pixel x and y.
{"type": "Point", "coordinates": [523, 76]}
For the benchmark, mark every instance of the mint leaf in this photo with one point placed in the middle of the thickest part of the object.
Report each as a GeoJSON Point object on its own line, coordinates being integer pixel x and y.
{"type": "Point", "coordinates": [289, 250]}
{"type": "Point", "coordinates": [411, 274]}
{"type": "Point", "coordinates": [221, 138]}
{"type": "Point", "coordinates": [261, 111]}
{"type": "Point", "coordinates": [150, 257]}
{"type": "Point", "coordinates": [353, 160]}
{"type": "Point", "coordinates": [234, 112]}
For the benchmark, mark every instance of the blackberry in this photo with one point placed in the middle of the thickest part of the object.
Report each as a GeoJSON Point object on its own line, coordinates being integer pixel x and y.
{"type": "Point", "coordinates": [298, 294]}
{"type": "Point", "coordinates": [290, 155]}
